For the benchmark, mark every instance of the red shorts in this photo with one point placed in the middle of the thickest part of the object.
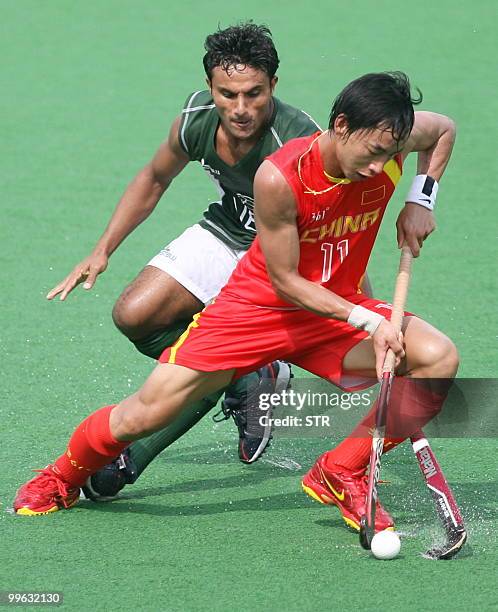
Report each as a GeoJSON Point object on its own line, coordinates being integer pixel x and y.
{"type": "Point", "coordinates": [229, 334]}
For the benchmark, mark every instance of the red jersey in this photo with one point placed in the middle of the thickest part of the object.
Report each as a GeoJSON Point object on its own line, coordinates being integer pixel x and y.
{"type": "Point", "coordinates": [337, 227]}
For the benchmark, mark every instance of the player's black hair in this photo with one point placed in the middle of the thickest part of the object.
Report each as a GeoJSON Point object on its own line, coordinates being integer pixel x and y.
{"type": "Point", "coordinates": [381, 99]}
{"type": "Point", "coordinates": [247, 44]}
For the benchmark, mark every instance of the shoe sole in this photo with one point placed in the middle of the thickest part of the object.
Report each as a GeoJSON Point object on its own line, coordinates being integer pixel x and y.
{"type": "Point", "coordinates": [28, 512]}
{"type": "Point", "coordinates": [265, 442]}
{"type": "Point", "coordinates": [309, 491]}
{"type": "Point", "coordinates": [282, 383]}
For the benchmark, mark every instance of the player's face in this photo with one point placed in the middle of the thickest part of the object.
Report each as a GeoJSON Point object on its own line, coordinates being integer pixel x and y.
{"type": "Point", "coordinates": [243, 98]}
{"type": "Point", "coordinates": [364, 153]}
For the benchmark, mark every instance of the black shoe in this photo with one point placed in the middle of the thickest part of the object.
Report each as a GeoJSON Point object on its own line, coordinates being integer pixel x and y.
{"type": "Point", "coordinates": [255, 432]}
{"type": "Point", "coordinates": [105, 484]}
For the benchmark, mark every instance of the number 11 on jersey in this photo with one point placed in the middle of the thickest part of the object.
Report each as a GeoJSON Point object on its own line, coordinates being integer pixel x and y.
{"type": "Point", "coordinates": [328, 252]}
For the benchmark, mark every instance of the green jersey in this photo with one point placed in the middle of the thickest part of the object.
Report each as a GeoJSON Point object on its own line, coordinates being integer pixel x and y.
{"type": "Point", "coordinates": [231, 218]}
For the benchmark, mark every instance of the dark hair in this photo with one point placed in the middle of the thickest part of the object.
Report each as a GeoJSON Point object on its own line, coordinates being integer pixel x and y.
{"type": "Point", "coordinates": [382, 99]}
{"type": "Point", "coordinates": [247, 44]}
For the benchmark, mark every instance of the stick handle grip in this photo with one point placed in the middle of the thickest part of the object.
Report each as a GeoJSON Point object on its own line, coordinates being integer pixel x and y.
{"type": "Point", "coordinates": [399, 299]}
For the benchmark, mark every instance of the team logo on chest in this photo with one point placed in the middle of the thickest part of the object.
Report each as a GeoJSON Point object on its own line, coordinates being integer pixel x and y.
{"type": "Point", "coordinates": [246, 200]}
{"type": "Point", "coordinates": [319, 215]}
{"type": "Point", "coordinates": [371, 196]}
{"type": "Point", "coordinates": [244, 205]}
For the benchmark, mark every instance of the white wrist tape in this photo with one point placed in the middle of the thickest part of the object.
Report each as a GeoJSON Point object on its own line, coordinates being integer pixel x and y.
{"type": "Point", "coordinates": [365, 319]}
{"type": "Point", "coordinates": [423, 191]}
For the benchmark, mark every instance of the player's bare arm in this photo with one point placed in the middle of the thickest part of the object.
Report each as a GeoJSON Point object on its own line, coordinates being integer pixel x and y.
{"type": "Point", "coordinates": [275, 212]}
{"type": "Point", "coordinates": [432, 137]}
{"type": "Point", "coordinates": [136, 204]}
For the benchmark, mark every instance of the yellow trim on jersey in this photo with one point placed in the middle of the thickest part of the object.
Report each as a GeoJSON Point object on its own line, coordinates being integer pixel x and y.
{"type": "Point", "coordinates": [333, 179]}
{"type": "Point", "coordinates": [182, 338]}
{"type": "Point", "coordinates": [393, 171]}
{"type": "Point", "coordinates": [359, 287]}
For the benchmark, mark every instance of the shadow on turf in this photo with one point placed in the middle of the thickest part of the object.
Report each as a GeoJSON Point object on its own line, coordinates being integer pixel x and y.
{"type": "Point", "coordinates": [413, 511]}
{"type": "Point", "coordinates": [287, 501]}
{"type": "Point", "coordinates": [225, 452]}
{"type": "Point", "coordinates": [236, 481]}
{"type": "Point", "coordinates": [407, 500]}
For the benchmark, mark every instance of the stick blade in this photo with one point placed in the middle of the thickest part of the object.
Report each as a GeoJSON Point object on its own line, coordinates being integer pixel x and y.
{"type": "Point", "coordinates": [450, 548]}
{"type": "Point", "coordinates": [366, 533]}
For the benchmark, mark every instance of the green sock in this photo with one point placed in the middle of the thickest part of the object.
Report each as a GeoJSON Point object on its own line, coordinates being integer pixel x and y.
{"type": "Point", "coordinates": [143, 451]}
{"type": "Point", "coordinates": [154, 344]}
{"type": "Point", "coordinates": [243, 385]}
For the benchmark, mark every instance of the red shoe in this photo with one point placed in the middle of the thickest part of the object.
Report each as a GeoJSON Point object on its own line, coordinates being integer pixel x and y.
{"type": "Point", "coordinates": [347, 490]}
{"type": "Point", "coordinates": [45, 493]}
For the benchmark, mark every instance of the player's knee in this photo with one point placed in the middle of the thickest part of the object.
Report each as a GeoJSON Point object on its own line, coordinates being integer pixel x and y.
{"type": "Point", "coordinates": [440, 357]}
{"type": "Point", "coordinates": [122, 316]}
{"type": "Point", "coordinates": [130, 428]}
{"type": "Point", "coordinates": [130, 317]}
{"type": "Point", "coordinates": [135, 424]}
{"type": "Point", "coordinates": [136, 318]}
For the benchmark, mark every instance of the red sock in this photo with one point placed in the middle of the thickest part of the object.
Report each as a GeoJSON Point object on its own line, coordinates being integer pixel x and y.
{"type": "Point", "coordinates": [354, 453]}
{"type": "Point", "coordinates": [413, 403]}
{"type": "Point", "coordinates": [90, 448]}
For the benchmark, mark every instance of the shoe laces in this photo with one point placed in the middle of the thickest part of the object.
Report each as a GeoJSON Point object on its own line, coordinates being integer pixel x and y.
{"type": "Point", "coordinates": [48, 480]}
{"type": "Point", "coordinates": [358, 481]}
{"type": "Point", "coordinates": [231, 405]}
{"type": "Point", "coordinates": [229, 408]}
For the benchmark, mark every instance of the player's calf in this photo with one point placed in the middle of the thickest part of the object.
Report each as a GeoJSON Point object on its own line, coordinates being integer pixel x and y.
{"type": "Point", "coordinates": [168, 389]}
{"type": "Point", "coordinates": [243, 407]}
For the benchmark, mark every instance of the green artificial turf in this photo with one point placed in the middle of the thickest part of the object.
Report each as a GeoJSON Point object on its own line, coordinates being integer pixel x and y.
{"type": "Point", "coordinates": [88, 92]}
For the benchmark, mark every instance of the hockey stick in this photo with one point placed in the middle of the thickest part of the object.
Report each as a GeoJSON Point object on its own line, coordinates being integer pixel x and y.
{"type": "Point", "coordinates": [367, 523]}
{"type": "Point", "coordinates": [444, 501]}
